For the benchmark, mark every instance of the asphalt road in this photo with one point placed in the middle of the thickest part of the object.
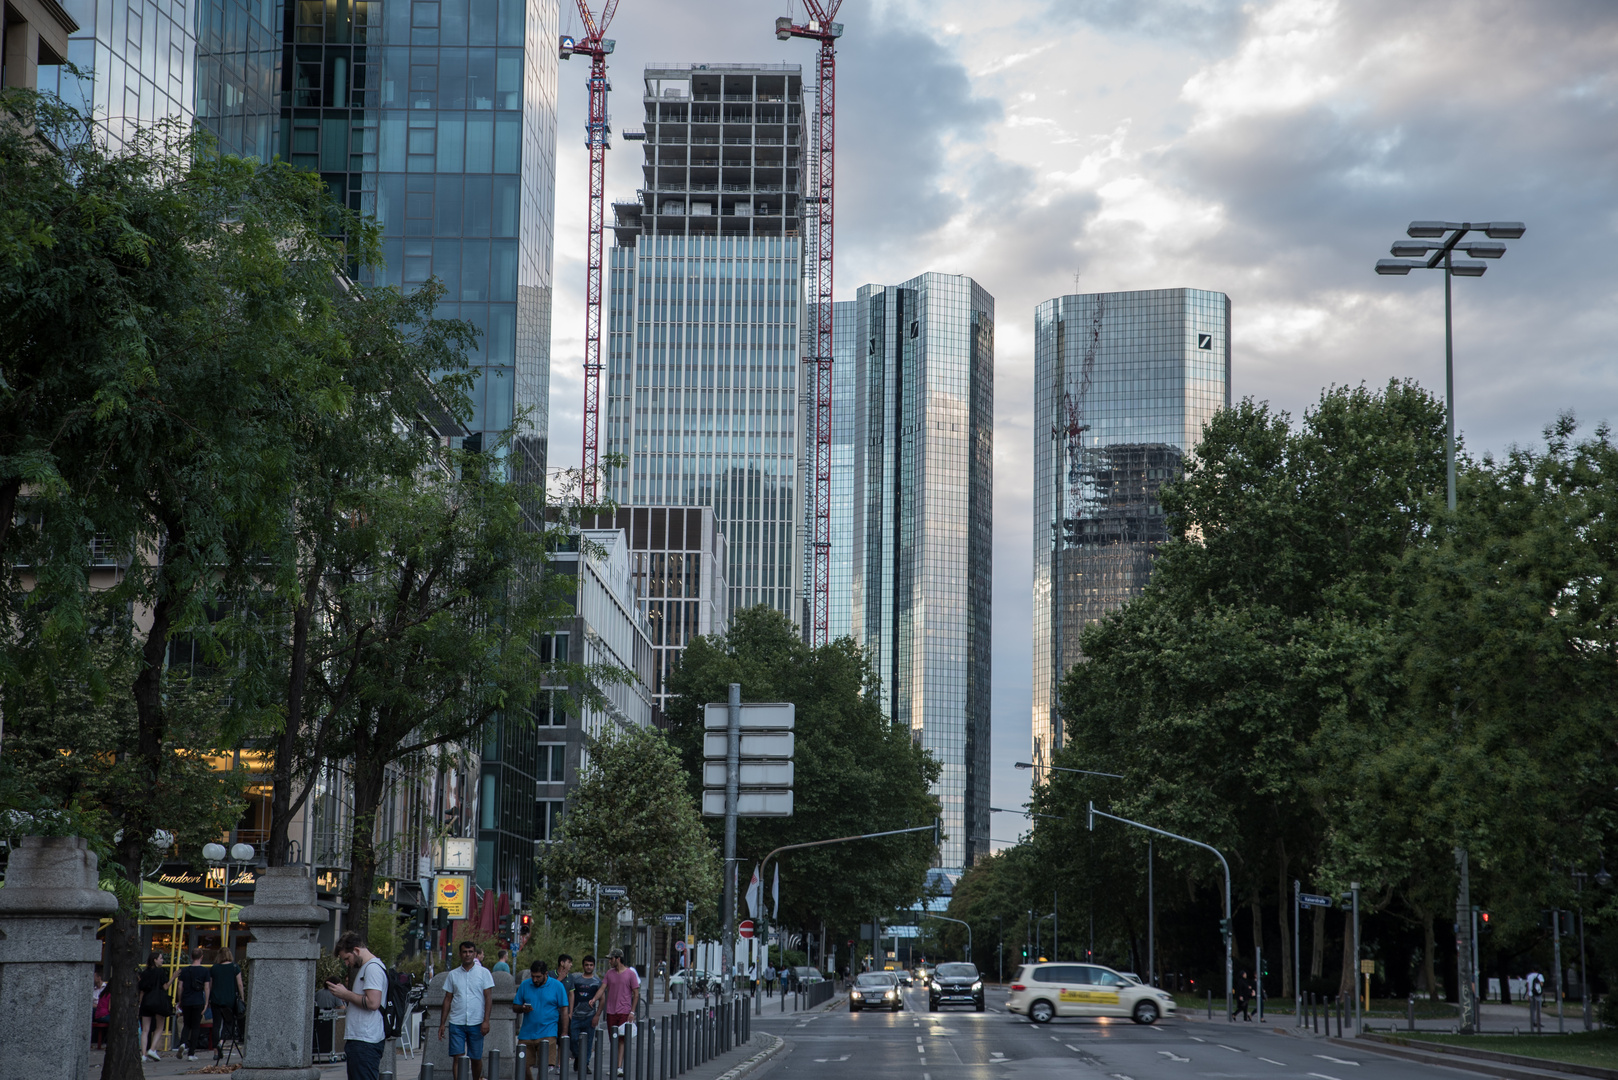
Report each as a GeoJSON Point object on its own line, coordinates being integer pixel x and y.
{"type": "Point", "coordinates": [960, 1044]}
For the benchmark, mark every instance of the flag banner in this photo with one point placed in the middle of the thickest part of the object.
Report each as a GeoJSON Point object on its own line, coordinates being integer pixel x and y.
{"type": "Point", "coordinates": [753, 895]}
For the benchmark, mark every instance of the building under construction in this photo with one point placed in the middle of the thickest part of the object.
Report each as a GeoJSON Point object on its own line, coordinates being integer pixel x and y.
{"type": "Point", "coordinates": [1124, 383]}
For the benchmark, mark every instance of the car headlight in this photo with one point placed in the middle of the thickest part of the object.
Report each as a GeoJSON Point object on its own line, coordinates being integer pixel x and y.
{"type": "Point", "coordinates": [977, 986]}
{"type": "Point", "coordinates": [855, 993]}
{"type": "Point", "coordinates": [888, 994]}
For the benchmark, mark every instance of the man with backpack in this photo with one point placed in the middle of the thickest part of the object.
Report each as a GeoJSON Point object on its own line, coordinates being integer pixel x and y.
{"type": "Point", "coordinates": [365, 1029]}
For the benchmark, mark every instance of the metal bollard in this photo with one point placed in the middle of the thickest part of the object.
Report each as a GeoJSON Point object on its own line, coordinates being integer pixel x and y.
{"type": "Point", "coordinates": [1210, 1004]}
{"type": "Point", "coordinates": [1410, 1013]}
{"type": "Point", "coordinates": [427, 1071]}
{"type": "Point", "coordinates": [1339, 1000]}
{"type": "Point", "coordinates": [494, 1064]}
{"type": "Point", "coordinates": [385, 1075]}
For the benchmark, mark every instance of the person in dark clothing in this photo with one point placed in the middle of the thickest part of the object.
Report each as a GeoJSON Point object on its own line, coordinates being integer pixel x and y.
{"type": "Point", "coordinates": [226, 998]}
{"type": "Point", "coordinates": [193, 981]}
{"type": "Point", "coordinates": [155, 1004]}
{"type": "Point", "coordinates": [1244, 995]}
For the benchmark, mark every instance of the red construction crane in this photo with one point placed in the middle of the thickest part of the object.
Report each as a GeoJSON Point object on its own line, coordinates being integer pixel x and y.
{"type": "Point", "coordinates": [818, 198]}
{"type": "Point", "coordinates": [597, 134]}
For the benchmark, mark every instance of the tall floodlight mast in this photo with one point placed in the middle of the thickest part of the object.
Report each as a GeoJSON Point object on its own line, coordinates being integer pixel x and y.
{"type": "Point", "coordinates": [597, 137]}
{"type": "Point", "coordinates": [819, 27]}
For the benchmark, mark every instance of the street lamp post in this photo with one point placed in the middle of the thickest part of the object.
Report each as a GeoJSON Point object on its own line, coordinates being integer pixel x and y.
{"type": "Point", "coordinates": [1063, 768]}
{"type": "Point", "coordinates": [216, 853]}
{"type": "Point", "coordinates": [1432, 247]}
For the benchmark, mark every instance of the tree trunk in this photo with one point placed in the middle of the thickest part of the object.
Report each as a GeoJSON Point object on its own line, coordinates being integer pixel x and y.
{"type": "Point", "coordinates": [123, 1060]}
{"type": "Point", "coordinates": [286, 747]}
{"type": "Point", "coordinates": [368, 772]}
{"type": "Point", "coordinates": [1317, 945]}
{"type": "Point", "coordinates": [1429, 948]}
{"type": "Point", "coordinates": [1283, 899]}
{"type": "Point", "coordinates": [1345, 984]}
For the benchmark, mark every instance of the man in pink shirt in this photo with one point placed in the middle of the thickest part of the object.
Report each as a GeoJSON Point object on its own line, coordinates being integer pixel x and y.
{"type": "Point", "coordinates": [620, 987]}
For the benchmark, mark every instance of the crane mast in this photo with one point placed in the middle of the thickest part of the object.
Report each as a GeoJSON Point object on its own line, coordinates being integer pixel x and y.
{"type": "Point", "coordinates": [597, 136]}
{"type": "Point", "coordinates": [819, 27]}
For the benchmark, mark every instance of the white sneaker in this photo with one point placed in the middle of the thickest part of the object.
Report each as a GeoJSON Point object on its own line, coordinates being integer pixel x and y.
{"type": "Point", "coordinates": [153, 1055]}
{"type": "Point", "coordinates": [190, 1057]}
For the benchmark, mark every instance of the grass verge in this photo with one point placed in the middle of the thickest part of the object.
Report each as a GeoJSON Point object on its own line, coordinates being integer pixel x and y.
{"type": "Point", "coordinates": [1582, 1048]}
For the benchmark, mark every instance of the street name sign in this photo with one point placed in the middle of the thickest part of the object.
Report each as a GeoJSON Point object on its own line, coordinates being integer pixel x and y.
{"type": "Point", "coordinates": [613, 890]}
{"type": "Point", "coordinates": [1312, 900]}
{"type": "Point", "coordinates": [582, 905]}
{"type": "Point", "coordinates": [674, 918]}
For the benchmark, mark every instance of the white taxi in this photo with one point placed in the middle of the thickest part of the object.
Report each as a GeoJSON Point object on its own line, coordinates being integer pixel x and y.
{"type": "Point", "coordinates": [1043, 992]}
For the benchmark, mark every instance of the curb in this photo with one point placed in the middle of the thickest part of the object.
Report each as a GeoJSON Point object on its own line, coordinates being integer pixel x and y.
{"type": "Point", "coordinates": [734, 1072]}
{"type": "Point", "coordinates": [1516, 1065]}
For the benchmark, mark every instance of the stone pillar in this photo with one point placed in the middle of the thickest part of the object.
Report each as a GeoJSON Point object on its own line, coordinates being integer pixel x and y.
{"type": "Point", "coordinates": [283, 920]}
{"type": "Point", "coordinates": [50, 910]}
{"type": "Point", "coordinates": [502, 1034]}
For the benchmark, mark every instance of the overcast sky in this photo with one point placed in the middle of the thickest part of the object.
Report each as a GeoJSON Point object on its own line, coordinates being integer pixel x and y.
{"type": "Point", "coordinates": [1269, 150]}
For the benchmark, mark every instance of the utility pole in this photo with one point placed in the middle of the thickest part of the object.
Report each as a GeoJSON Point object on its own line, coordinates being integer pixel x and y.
{"type": "Point", "coordinates": [1463, 951]}
{"type": "Point", "coordinates": [1151, 921]}
{"type": "Point", "coordinates": [733, 768]}
{"type": "Point", "coordinates": [1297, 957]}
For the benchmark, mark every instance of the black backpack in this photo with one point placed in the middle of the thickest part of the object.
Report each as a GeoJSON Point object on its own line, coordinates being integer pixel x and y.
{"type": "Point", "coordinates": [396, 1004]}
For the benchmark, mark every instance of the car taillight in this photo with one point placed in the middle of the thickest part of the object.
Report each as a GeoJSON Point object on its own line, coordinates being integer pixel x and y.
{"type": "Point", "coordinates": [1017, 986]}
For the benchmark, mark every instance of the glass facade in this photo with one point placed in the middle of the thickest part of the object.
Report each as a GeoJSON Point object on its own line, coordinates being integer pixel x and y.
{"type": "Point", "coordinates": [239, 75]}
{"type": "Point", "coordinates": [922, 536]}
{"type": "Point", "coordinates": [705, 297]}
{"type": "Point", "coordinates": [840, 617]}
{"type": "Point", "coordinates": [1123, 384]}
{"type": "Point", "coordinates": [140, 60]}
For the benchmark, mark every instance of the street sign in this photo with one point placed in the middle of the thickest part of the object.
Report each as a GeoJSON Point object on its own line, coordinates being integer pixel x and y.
{"type": "Point", "coordinates": [612, 890]}
{"type": "Point", "coordinates": [748, 803]}
{"type": "Point", "coordinates": [1312, 900]}
{"type": "Point", "coordinates": [679, 946]}
{"type": "Point", "coordinates": [1367, 967]}
{"type": "Point", "coordinates": [755, 744]}
{"type": "Point", "coordinates": [449, 893]}
{"type": "Point", "coordinates": [745, 928]}
{"type": "Point", "coordinates": [582, 905]}
{"type": "Point", "coordinates": [769, 716]}
{"type": "Point", "coordinates": [674, 918]}
{"type": "Point", "coordinates": [759, 774]}
{"type": "Point", "coordinates": [903, 931]}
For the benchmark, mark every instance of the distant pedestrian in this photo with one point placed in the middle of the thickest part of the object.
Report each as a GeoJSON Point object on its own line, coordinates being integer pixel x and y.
{"type": "Point", "coordinates": [503, 961]}
{"type": "Point", "coordinates": [100, 1011]}
{"type": "Point", "coordinates": [155, 1004]}
{"type": "Point", "coordinates": [193, 982]}
{"type": "Point", "coordinates": [769, 981]}
{"type": "Point", "coordinates": [582, 988]}
{"type": "Point", "coordinates": [1244, 996]}
{"type": "Point", "coordinates": [228, 999]}
{"type": "Point", "coordinates": [1535, 985]}
{"type": "Point", "coordinates": [620, 989]}
{"type": "Point", "coordinates": [365, 1030]}
{"type": "Point", "coordinates": [468, 995]}
{"type": "Point", "coordinates": [541, 1003]}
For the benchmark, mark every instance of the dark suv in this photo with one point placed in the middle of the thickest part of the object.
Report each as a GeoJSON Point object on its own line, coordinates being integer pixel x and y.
{"type": "Point", "coordinates": [955, 984]}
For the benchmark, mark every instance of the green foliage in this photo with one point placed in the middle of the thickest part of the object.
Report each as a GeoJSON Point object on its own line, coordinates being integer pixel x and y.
{"type": "Point", "coordinates": [563, 935]}
{"type": "Point", "coordinates": [631, 821]}
{"type": "Point", "coordinates": [855, 771]}
{"type": "Point", "coordinates": [385, 934]}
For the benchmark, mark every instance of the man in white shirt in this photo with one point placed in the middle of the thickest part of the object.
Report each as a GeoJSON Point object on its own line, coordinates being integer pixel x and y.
{"type": "Point", "coordinates": [365, 1032]}
{"type": "Point", "coordinates": [468, 996]}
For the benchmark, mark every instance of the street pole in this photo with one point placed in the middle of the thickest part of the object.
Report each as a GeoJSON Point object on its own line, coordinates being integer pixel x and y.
{"type": "Point", "coordinates": [597, 889]}
{"type": "Point", "coordinates": [1056, 930]}
{"type": "Point", "coordinates": [1556, 939]}
{"type": "Point", "coordinates": [1258, 978]}
{"type": "Point", "coordinates": [1151, 921]}
{"type": "Point", "coordinates": [1230, 974]}
{"type": "Point", "coordinates": [1449, 385]}
{"type": "Point", "coordinates": [1584, 972]}
{"type": "Point", "coordinates": [1477, 971]}
{"type": "Point", "coordinates": [1463, 953]}
{"type": "Point", "coordinates": [1297, 958]}
{"type": "Point", "coordinates": [733, 756]}
{"type": "Point", "coordinates": [1359, 1017]}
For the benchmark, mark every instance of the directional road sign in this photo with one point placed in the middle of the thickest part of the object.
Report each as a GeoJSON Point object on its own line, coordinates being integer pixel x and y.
{"type": "Point", "coordinates": [764, 774]}
{"type": "Point", "coordinates": [1312, 900]}
{"type": "Point", "coordinates": [582, 905]}
{"type": "Point", "coordinates": [756, 744]}
{"type": "Point", "coordinates": [748, 803]}
{"type": "Point", "coordinates": [768, 716]}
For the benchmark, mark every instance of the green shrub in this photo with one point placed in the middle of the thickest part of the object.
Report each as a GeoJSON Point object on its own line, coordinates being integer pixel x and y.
{"type": "Point", "coordinates": [386, 936]}
{"type": "Point", "coordinates": [548, 942]}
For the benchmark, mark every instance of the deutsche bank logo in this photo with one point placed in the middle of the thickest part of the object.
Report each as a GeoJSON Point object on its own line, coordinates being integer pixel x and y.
{"type": "Point", "coordinates": [1205, 341]}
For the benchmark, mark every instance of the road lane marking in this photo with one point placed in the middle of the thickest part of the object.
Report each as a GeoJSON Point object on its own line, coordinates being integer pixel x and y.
{"type": "Point", "coordinates": [1193, 1038]}
{"type": "Point", "coordinates": [1172, 1056]}
{"type": "Point", "coordinates": [1272, 1061]}
{"type": "Point", "coordinates": [1335, 1061]}
{"type": "Point", "coordinates": [1120, 1076]}
{"type": "Point", "coordinates": [1323, 1076]}
{"type": "Point", "coordinates": [1232, 1049]}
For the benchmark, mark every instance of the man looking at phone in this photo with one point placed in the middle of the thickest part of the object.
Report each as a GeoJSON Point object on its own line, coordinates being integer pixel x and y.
{"type": "Point", "coordinates": [541, 1005]}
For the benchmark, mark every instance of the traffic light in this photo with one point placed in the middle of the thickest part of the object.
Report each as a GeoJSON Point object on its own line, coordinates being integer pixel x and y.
{"type": "Point", "coordinates": [1484, 925]}
{"type": "Point", "coordinates": [1025, 952]}
{"type": "Point", "coordinates": [527, 924]}
{"type": "Point", "coordinates": [1224, 929]}
{"type": "Point", "coordinates": [938, 832]}
{"type": "Point", "coordinates": [443, 919]}
{"type": "Point", "coordinates": [1564, 923]}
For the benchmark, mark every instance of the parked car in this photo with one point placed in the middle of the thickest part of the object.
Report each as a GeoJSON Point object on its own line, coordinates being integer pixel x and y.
{"type": "Point", "coordinates": [875, 990]}
{"type": "Point", "coordinates": [693, 983]}
{"type": "Point", "coordinates": [1043, 992]}
{"type": "Point", "coordinates": [955, 984]}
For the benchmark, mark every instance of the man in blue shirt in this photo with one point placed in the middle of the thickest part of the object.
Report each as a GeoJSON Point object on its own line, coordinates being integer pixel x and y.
{"type": "Point", "coordinates": [541, 1002]}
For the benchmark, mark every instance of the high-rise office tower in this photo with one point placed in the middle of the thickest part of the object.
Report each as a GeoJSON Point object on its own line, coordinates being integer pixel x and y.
{"type": "Point", "coordinates": [1123, 384]}
{"type": "Point", "coordinates": [706, 297]}
{"type": "Point", "coordinates": [138, 59]}
{"type": "Point", "coordinates": [923, 486]}
{"type": "Point", "coordinates": [840, 614]}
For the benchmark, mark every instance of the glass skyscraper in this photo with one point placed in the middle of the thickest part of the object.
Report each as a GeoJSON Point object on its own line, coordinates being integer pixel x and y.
{"type": "Point", "coordinates": [141, 60]}
{"type": "Point", "coordinates": [1123, 384]}
{"type": "Point", "coordinates": [706, 294]}
{"type": "Point", "coordinates": [840, 616]}
{"type": "Point", "coordinates": [922, 537]}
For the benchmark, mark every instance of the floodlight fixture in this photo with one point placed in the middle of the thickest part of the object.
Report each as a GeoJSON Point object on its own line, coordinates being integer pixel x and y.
{"type": "Point", "coordinates": [1481, 249]}
{"type": "Point", "coordinates": [1428, 228]}
{"type": "Point", "coordinates": [1467, 268]}
{"type": "Point", "coordinates": [1505, 230]}
{"type": "Point", "coordinates": [1399, 267]}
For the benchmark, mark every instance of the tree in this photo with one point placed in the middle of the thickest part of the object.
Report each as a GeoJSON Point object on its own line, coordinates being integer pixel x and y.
{"type": "Point", "coordinates": [632, 822]}
{"type": "Point", "coordinates": [1209, 691]}
{"type": "Point", "coordinates": [855, 771]}
{"type": "Point", "coordinates": [172, 324]}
